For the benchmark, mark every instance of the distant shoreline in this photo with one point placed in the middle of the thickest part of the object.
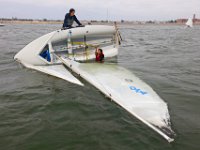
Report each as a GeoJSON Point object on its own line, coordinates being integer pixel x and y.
{"type": "Point", "coordinates": [90, 22]}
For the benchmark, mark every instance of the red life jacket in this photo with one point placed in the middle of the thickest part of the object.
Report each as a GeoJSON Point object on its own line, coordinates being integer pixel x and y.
{"type": "Point", "coordinates": [99, 57]}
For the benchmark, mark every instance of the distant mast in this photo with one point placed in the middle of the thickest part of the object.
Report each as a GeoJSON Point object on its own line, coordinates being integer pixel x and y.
{"type": "Point", "coordinates": [194, 18]}
{"type": "Point", "coordinates": [107, 16]}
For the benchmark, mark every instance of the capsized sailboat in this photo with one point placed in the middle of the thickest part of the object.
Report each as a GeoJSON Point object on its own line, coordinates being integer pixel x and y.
{"type": "Point", "coordinates": [62, 51]}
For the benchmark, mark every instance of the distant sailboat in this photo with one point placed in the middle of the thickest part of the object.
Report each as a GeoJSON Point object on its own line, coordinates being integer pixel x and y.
{"type": "Point", "coordinates": [189, 23]}
{"type": "Point", "coordinates": [1, 25]}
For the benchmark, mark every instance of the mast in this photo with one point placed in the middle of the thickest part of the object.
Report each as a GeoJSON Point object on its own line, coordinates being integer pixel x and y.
{"type": "Point", "coordinates": [107, 16]}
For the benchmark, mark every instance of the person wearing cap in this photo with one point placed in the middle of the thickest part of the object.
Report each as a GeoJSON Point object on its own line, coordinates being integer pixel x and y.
{"type": "Point", "coordinates": [70, 18]}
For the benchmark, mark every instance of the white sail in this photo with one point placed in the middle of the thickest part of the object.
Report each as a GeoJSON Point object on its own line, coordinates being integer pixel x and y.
{"type": "Point", "coordinates": [189, 23]}
{"type": "Point", "coordinates": [128, 91]}
{"type": "Point", "coordinates": [58, 71]}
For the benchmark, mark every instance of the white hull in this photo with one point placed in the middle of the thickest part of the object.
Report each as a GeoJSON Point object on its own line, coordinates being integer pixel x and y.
{"type": "Point", "coordinates": [31, 53]}
{"type": "Point", "coordinates": [30, 56]}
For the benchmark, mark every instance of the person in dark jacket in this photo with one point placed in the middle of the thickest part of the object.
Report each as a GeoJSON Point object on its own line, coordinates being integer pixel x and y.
{"type": "Point", "coordinates": [70, 18]}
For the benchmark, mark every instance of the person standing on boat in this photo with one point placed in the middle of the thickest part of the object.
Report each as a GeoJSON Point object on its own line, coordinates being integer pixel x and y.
{"type": "Point", "coordinates": [70, 18]}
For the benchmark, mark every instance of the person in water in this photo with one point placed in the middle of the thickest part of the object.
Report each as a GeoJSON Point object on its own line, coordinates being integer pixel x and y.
{"type": "Point", "coordinates": [99, 55]}
{"type": "Point", "coordinates": [70, 18]}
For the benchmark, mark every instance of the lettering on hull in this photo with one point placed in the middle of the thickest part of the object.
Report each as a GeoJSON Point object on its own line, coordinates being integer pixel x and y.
{"type": "Point", "coordinates": [137, 90]}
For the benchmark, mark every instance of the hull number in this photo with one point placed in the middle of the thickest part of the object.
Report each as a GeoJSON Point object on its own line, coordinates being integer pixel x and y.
{"type": "Point", "coordinates": [137, 90]}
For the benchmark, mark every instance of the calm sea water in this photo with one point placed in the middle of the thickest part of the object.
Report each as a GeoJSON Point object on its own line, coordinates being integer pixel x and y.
{"type": "Point", "coordinates": [38, 111]}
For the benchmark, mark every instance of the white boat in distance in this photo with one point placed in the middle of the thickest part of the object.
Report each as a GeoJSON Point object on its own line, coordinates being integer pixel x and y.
{"type": "Point", "coordinates": [189, 23]}
{"type": "Point", "coordinates": [1, 25]}
{"type": "Point", "coordinates": [62, 51]}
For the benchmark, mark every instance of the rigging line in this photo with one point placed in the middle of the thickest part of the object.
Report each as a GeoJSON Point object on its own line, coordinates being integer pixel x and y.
{"type": "Point", "coordinates": [86, 48]}
{"type": "Point", "coordinates": [119, 37]}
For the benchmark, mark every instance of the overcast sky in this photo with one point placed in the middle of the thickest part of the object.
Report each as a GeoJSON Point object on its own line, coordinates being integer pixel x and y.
{"type": "Point", "coordinates": [97, 9]}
